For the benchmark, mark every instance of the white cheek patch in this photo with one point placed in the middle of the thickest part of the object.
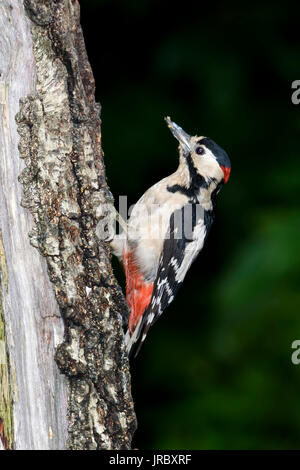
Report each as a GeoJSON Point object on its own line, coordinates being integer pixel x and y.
{"type": "Point", "coordinates": [207, 166]}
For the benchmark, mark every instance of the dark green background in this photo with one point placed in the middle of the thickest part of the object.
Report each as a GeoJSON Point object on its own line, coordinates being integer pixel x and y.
{"type": "Point", "coordinates": [215, 371]}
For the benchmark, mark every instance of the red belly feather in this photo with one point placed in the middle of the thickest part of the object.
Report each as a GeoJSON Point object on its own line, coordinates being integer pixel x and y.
{"type": "Point", "coordinates": [138, 292]}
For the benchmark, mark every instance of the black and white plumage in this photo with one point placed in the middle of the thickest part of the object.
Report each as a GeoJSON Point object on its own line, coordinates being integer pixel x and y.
{"type": "Point", "coordinates": [167, 230]}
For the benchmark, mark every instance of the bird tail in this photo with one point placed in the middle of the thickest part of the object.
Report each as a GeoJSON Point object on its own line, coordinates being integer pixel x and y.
{"type": "Point", "coordinates": [135, 340]}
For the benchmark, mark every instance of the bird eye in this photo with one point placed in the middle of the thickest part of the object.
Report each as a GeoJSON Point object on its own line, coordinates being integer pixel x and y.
{"type": "Point", "coordinates": [200, 150]}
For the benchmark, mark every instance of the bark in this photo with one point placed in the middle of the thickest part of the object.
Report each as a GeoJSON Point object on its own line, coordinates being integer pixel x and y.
{"type": "Point", "coordinates": [65, 380]}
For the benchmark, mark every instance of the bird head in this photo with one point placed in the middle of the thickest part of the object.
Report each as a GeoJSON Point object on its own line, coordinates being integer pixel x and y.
{"type": "Point", "coordinates": [208, 158]}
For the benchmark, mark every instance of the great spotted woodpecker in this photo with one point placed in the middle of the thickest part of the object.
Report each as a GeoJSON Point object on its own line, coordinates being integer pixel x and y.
{"type": "Point", "coordinates": [167, 229]}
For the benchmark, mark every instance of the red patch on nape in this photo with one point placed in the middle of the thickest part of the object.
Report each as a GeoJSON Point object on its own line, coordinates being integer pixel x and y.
{"type": "Point", "coordinates": [138, 292]}
{"type": "Point", "coordinates": [226, 172]}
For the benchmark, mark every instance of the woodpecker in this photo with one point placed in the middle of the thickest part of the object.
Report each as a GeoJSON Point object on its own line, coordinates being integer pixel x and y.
{"type": "Point", "coordinates": [167, 229]}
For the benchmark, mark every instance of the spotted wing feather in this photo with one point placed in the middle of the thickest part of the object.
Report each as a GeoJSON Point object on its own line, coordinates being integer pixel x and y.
{"type": "Point", "coordinates": [181, 246]}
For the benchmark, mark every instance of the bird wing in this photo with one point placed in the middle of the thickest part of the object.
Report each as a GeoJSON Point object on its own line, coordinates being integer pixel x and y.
{"type": "Point", "coordinates": [185, 238]}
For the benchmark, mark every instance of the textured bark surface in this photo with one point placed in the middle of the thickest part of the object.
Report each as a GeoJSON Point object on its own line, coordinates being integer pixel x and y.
{"type": "Point", "coordinates": [33, 325]}
{"type": "Point", "coordinates": [64, 190]}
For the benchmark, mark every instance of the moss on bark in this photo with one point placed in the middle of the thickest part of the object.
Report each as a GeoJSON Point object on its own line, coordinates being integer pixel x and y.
{"type": "Point", "coordinates": [6, 404]}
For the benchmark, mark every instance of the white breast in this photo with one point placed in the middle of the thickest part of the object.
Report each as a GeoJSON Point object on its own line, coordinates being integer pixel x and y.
{"type": "Point", "coordinates": [149, 223]}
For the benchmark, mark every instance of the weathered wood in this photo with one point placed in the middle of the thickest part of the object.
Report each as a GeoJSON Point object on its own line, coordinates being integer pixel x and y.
{"type": "Point", "coordinates": [64, 190]}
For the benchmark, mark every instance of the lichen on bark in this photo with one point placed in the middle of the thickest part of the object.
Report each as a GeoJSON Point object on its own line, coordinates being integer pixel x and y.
{"type": "Point", "coordinates": [64, 185]}
{"type": "Point", "coordinates": [6, 405]}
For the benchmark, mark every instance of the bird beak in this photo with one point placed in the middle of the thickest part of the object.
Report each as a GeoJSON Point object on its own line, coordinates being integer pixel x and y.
{"type": "Point", "coordinates": [179, 134]}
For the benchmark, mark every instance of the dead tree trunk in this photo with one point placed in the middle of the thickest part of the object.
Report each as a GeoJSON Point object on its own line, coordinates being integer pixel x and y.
{"type": "Point", "coordinates": [64, 376]}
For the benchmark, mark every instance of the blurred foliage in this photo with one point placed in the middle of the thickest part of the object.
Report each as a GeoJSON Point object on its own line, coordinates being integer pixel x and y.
{"type": "Point", "coordinates": [215, 371]}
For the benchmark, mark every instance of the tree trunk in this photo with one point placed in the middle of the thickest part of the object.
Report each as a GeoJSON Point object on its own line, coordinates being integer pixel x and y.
{"type": "Point", "coordinates": [64, 375]}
